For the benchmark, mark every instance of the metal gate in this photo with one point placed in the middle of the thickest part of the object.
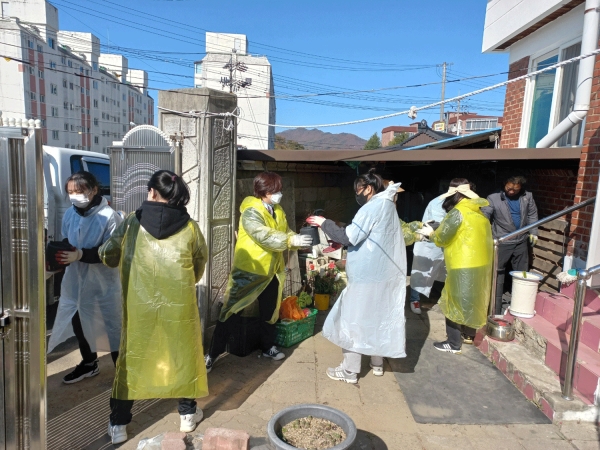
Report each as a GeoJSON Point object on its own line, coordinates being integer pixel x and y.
{"type": "Point", "coordinates": [22, 319]}
{"type": "Point", "coordinates": [144, 150]}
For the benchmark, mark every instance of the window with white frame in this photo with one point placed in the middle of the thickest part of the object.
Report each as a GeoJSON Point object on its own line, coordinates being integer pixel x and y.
{"type": "Point", "coordinates": [52, 65]}
{"type": "Point", "coordinates": [96, 121]}
{"type": "Point", "coordinates": [64, 83]}
{"type": "Point", "coordinates": [32, 95]}
{"type": "Point", "coordinates": [551, 97]}
{"type": "Point", "coordinates": [481, 124]}
{"type": "Point", "coordinates": [42, 98]}
{"type": "Point", "coordinates": [51, 43]}
{"type": "Point", "coordinates": [5, 10]}
{"type": "Point", "coordinates": [55, 135]}
{"type": "Point", "coordinates": [66, 127]}
{"type": "Point", "coordinates": [54, 111]}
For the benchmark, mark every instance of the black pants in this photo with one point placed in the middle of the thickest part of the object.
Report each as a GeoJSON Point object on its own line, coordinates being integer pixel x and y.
{"type": "Point", "coordinates": [518, 255]}
{"type": "Point", "coordinates": [454, 331]}
{"type": "Point", "coordinates": [120, 410]}
{"type": "Point", "coordinates": [87, 354]}
{"type": "Point", "coordinates": [267, 302]}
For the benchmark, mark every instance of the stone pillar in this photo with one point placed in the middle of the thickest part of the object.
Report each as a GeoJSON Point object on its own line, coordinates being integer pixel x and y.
{"type": "Point", "coordinates": [208, 166]}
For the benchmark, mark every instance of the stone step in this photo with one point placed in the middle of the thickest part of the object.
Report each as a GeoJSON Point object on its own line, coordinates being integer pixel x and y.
{"type": "Point", "coordinates": [549, 345]}
{"type": "Point", "coordinates": [592, 296]}
{"type": "Point", "coordinates": [558, 310]}
{"type": "Point", "coordinates": [536, 381]}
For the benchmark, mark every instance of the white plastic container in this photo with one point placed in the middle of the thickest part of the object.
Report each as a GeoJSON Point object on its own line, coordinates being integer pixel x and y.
{"type": "Point", "coordinates": [524, 292]}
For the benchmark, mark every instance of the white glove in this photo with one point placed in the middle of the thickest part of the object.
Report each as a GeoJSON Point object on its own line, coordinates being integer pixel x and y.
{"type": "Point", "coordinates": [301, 240]}
{"type": "Point", "coordinates": [420, 237]}
{"type": "Point", "coordinates": [426, 230]}
{"type": "Point", "coordinates": [69, 257]}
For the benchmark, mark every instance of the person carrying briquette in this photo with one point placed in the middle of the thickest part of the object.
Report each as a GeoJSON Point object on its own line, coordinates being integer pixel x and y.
{"type": "Point", "coordinates": [466, 237]}
{"type": "Point", "coordinates": [90, 297]}
{"type": "Point", "coordinates": [511, 209]}
{"type": "Point", "coordinates": [428, 262]}
{"type": "Point", "coordinates": [368, 317]}
{"type": "Point", "coordinates": [161, 254]}
{"type": "Point", "coordinates": [258, 272]}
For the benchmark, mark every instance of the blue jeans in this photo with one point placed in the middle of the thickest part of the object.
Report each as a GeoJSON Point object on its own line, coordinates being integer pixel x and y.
{"type": "Point", "coordinates": [414, 295]}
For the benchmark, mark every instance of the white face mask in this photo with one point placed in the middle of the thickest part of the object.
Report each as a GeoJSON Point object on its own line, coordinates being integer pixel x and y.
{"type": "Point", "coordinates": [276, 198]}
{"type": "Point", "coordinates": [79, 200]}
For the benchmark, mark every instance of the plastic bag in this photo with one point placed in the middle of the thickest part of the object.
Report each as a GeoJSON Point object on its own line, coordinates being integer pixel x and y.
{"type": "Point", "coordinates": [151, 443]}
{"type": "Point", "coordinates": [290, 310]}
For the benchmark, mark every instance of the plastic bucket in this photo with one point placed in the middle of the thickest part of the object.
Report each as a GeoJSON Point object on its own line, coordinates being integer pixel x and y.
{"type": "Point", "coordinates": [524, 292]}
{"type": "Point", "coordinates": [322, 302]}
{"type": "Point", "coordinates": [313, 232]}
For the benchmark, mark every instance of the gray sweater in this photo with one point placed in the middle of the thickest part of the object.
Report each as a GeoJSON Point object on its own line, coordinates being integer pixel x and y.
{"type": "Point", "coordinates": [499, 214]}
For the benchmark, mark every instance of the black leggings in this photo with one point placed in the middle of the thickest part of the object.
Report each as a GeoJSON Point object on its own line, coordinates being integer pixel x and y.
{"type": "Point", "coordinates": [120, 410]}
{"type": "Point", "coordinates": [87, 354]}
{"type": "Point", "coordinates": [267, 302]}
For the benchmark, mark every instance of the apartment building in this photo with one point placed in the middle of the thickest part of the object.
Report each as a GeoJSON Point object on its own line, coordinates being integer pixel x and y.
{"type": "Point", "coordinates": [85, 99]}
{"type": "Point", "coordinates": [229, 67]}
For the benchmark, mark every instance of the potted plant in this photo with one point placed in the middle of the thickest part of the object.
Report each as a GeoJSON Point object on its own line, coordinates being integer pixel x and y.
{"type": "Point", "coordinates": [325, 281]}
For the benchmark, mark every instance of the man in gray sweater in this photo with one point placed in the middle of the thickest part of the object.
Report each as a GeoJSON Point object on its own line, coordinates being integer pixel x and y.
{"type": "Point", "coordinates": [511, 209]}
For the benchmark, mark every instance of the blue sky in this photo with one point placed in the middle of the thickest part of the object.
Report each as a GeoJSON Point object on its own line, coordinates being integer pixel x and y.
{"type": "Point", "coordinates": [311, 45]}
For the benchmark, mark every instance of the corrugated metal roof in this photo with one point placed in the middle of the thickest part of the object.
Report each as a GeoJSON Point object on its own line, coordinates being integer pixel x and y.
{"type": "Point", "coordinates": [385, 154]}
{"type": "Point", "coordinates": [464, 139]}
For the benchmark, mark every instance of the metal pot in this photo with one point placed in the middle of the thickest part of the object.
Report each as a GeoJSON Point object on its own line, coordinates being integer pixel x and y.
{"type": "Point", "coordinates": [500, 328]}
{"type": "Point", "coordinates": [313, 232]}
{"type": "Point", "coordinates": [287, 415]}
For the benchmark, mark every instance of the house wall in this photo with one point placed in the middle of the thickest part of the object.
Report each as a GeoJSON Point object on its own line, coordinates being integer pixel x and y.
{"type": "Point", "coordinates": [556, 189]}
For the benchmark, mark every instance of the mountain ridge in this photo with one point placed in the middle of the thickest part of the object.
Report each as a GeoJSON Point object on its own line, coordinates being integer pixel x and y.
{"type": "Point", "coordinates": [315, 139]}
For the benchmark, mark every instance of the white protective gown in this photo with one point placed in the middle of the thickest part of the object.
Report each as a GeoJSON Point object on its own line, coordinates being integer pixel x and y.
{"type": "Point", "coordinates": [368, 317]}
{"type": "Point", "coordinates": [92, 289]}
{"type": "Point", "coordinates": [428, 262]}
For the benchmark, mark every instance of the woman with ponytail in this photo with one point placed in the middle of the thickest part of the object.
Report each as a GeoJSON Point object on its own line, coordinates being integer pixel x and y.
{"type": "Point", "coordinates": [161, 254]}
{"type": "Point", "coordinates": [368, 318]}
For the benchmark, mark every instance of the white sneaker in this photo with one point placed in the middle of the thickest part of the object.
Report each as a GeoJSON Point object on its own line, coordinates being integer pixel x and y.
{"type": "Point", "coordinates": [338, 373]}
{"type": "Point", "coordinates": [274, 353]}
{"type": "Point", "coordinates": [415, 307]}
{"type": "Point", "coordinates": [190, 421]}
{"type": "Point", "coordinates": [117, 433]}
{"type": "Point", "coordinates": [377, 370]}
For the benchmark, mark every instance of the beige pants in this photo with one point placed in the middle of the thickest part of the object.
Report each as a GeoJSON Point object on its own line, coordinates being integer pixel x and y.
{"type": "Point", "coordinates": [352, 361]}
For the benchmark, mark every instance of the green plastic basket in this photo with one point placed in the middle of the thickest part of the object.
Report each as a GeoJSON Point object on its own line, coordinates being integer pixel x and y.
{"type": "Point", "coordinates": [290, 333]}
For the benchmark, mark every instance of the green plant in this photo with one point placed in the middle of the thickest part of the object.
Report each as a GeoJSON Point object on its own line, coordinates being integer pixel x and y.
{"type": "Point", "coordinates": [326, 280]}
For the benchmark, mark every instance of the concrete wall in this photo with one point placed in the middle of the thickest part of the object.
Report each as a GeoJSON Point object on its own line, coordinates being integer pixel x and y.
{"type": "Point", "coordinates": [316, 186]}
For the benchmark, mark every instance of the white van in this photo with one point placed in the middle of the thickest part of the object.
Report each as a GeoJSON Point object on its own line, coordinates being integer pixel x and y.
{"type": "Point", "coordinates": [59, 164]}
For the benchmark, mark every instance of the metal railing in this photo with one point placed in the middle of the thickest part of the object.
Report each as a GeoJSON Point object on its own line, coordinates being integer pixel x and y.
{"type": "Point", "coordinates": [580, 291]}
{"type": "Point", "coordinates": [520, 231]}
{"type": "Point", "coordinates": [582, 277]}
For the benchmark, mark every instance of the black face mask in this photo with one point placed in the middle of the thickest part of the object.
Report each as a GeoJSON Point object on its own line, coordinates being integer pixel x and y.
{"type": "Point", "coordinates": [361, 199]}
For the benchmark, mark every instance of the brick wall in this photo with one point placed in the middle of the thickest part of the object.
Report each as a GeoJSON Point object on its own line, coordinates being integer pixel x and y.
{"type": "Point", "coordinates": [513, 105]}
{"type": "Point", "coordinates": [587, 176]}
{"type": "Point", "coordinates": [553, 189]}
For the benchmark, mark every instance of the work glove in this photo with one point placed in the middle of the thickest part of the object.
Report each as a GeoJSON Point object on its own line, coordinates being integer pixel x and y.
{"type": "Point", "coordinates": [300, 240]}
{"type": "Point", "coordinates": [426, 230]}
{"type": "Point", "coordinates": [69, 257]}
{"type": "Point", "coordinates": [421, 238]}
{"type": "Point", "coordinates": [315, 221]}
{"type": "Point", "coordinates": [533, 239]}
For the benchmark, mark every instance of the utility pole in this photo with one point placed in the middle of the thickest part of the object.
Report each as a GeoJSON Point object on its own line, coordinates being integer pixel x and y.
{"type": "Point", "coordinates": [458, 118]}
{"type": "Point", "coordinates": [444, 67]}
{"type": "Point", "coordinates": [234, 67]}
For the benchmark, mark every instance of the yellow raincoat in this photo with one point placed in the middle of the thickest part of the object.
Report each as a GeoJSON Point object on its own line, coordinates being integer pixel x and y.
{"type": "Point", "coordinates": [466, 237]}
{"type": "Point", "coordinates": [161, 341]}
{"type": "Point", "coordinates": [258, 256]}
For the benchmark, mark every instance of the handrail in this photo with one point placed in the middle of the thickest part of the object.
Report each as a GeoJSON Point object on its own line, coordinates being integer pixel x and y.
{"type": "Point", "coordinates": [520, 231]}
{"type": "Point", "coordinates": [582, 277]}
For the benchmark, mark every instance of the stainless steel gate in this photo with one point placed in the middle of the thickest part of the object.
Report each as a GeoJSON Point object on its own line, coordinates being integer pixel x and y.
{"type": "Point", "coordinates": [144, 150]}
{"type": "Point", "coordinates": [22, 319]}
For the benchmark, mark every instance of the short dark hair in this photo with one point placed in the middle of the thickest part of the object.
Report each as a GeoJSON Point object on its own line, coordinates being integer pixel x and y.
{"type": "Point", "coordinates": [171, 187]}
{"type": "Point", "coordinates": [516, 179]}
{"type": "Point", "coordinates": [369, 179]}
{"type": "Point", "coordinates": [453, 200]}
{"type": "Point", "coordinates": [267, 183]}
{"type": "Point", "coordinates": [83, 181]}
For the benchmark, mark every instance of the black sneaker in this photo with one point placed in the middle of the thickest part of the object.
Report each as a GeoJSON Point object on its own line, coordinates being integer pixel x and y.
{"type": "Point", "coordinates": [274, 353]}
{"type": "Point", "coordinates": [446, 347]}
{"type": "Point", "coordinates": [82, 370]}
{"type": "Point", "coordinates": [208, 362]}
{"type": "Point", "coordinates": [467, 339]}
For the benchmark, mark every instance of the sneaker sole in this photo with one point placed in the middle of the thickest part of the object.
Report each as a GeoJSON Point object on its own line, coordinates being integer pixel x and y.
{"type": "Point", "coordinates": [456, 352]}
{"type": "Point", "coordinates": [119, 440]}
{"type": "Point", "coordinates": [93, 373]}
{"type": "Point", "coordinates": [190, 429]}
{"type": "Point", "coordinates": [274, 358]}
{"type": "Point", "coordinates": [345, 380]}
{"type": "Point", "coordinates": [470, 342]}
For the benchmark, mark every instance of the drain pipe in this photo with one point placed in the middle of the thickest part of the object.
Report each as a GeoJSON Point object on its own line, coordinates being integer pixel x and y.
{"type": "Point", "coordinates": [589, 43]}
